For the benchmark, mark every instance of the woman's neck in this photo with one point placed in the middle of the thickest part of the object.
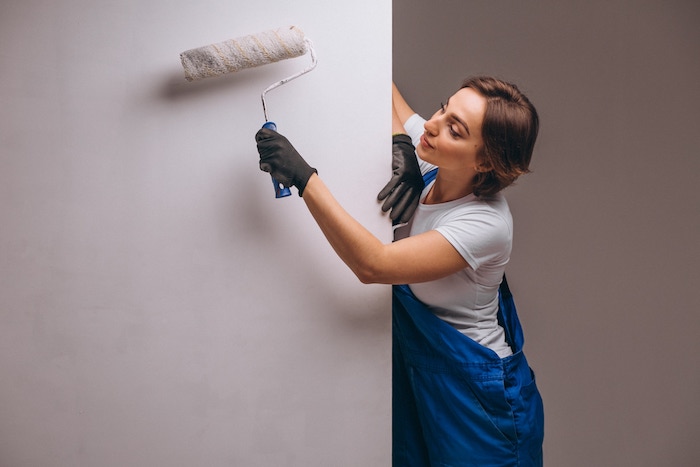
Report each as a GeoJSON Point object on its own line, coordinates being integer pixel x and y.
{"type": "Point", "coordinates": [449, 187]}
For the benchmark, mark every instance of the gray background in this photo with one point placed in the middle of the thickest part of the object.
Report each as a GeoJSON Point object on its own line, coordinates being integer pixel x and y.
{"type": "Point", "coordinates": [606, 254]}
{"type": "Point", "coordinates": [158, 307]}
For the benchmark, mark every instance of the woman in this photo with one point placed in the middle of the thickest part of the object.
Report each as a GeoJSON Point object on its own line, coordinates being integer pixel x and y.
{"type": "Point", "coordinates": [463, 391]}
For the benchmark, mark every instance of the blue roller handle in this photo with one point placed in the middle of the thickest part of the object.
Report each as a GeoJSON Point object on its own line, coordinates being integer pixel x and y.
{"type": "Point", "coordinates": [280, 190]}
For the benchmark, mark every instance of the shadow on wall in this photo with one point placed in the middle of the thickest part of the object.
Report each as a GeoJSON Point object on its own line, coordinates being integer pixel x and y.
{"type": "Point", "coordinates": [311, 275]}
{"type": "Point", "coordinates": [175, 86]}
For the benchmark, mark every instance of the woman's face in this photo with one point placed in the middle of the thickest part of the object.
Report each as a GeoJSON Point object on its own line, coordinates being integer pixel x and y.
{"type": "Point", "coordinates": [452, 138]}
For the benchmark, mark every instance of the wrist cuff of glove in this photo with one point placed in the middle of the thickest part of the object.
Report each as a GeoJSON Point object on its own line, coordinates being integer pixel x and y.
{"type": "Point", "coordinates": [401, 138]}
{"type": "Point", "coordinates": [301, 185]}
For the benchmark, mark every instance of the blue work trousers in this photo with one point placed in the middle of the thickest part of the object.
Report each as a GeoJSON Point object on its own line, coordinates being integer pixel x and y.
{"type": "Point", "coordinates": [456, 402]}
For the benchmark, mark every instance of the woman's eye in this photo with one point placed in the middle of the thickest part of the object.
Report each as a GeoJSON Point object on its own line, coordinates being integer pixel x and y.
{"type": "Point", "coordinates": [450, 127]}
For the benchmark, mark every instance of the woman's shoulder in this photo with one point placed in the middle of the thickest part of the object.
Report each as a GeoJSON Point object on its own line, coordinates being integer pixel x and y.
{"type": "Point", "coordinates": [480, 229]}
{"type": "Point", "coordinates": [488, 214]}
{"type": "Point", "coordinates": [414, 127]}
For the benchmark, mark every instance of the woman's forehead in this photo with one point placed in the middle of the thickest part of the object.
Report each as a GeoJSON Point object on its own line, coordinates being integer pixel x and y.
{"type": "Point", "coordinates": [468, 105]}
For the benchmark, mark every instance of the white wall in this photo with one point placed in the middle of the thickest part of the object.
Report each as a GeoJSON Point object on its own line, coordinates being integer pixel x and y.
{"type": "Point", "coordinates": [158, 307]}
{"type": "Point", "coordinates": [606, 253]}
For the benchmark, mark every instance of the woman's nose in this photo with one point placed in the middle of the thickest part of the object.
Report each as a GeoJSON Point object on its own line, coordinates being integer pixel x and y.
{"type": "Point", "coordinates": [431, 126]}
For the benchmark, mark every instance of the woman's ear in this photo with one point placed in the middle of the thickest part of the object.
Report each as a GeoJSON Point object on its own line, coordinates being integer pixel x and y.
{"type": "Point", "coordinates": [483, 166]}
{"type": "Point", "coordinates": [483, 162]}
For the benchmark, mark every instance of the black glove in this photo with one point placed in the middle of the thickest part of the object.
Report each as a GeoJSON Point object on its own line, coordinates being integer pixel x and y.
{"type": "Point", "coordinates": [403, 191]}
{"type": "Point", "coordinates": [282, 161]}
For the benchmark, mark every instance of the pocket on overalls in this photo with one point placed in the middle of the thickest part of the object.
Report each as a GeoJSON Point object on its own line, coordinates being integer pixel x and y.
{"type": "Point", "coordinates": [492, 399]}
{"type": "Point", "coordinates": [465, 422]}
{"type": "Point", "coordinates": [528, 414]}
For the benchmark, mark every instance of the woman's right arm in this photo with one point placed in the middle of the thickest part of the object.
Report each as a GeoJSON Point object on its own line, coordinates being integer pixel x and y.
{"type": "Point", "coordinates": [401, 108]}
{"type": "Point", "coordinates": [402, 193]}
{"type": "Point", "coordinates": [397, 127]}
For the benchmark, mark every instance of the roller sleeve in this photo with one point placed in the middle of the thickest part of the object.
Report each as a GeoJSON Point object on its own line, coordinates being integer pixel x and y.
{"type": "Point", "coordinates": [243, 52]}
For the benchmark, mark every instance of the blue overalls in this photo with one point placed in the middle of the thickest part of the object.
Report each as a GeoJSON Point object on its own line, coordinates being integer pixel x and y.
{"type": "Point", "coordinates": [456, 402]}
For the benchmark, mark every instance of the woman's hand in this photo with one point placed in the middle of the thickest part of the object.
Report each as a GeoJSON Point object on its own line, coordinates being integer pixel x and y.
{"type": "Point", "coordinates": [403, 191]}
{"type": "Point", "coordinates": [282, 161]}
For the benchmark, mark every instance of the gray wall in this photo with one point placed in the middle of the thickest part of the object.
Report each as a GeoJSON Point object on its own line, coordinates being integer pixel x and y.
{"type": "Point", "coordinates": [606, 250]}
{"type": "Point", "coordinates": [158, 307]}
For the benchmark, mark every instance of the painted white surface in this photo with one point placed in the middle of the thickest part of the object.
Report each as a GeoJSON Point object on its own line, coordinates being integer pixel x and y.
{"type": "Point", "coordinates": [158, 307]}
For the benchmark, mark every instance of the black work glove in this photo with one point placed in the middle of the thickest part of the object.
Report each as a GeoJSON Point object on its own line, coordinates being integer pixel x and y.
{"type": "Point", "coordinates": [282, 161]}
{"type": "Point", "coordinates": [403, 191]}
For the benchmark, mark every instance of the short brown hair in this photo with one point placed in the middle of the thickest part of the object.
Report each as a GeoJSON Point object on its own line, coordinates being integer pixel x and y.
{"type": "Point", "coordinates": [509, 131]}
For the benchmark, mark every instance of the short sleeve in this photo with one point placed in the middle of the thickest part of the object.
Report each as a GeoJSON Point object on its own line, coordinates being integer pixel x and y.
{"type": "Point", "coordinates": [414, 128]}
{"type": "Point", "coordinates": [482, 237]}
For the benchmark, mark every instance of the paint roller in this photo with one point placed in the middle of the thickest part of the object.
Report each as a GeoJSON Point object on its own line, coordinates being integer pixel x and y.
{"type": "Point", "coordinates": [248, 52]}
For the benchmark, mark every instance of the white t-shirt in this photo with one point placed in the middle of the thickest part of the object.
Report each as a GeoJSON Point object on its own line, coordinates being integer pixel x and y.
{"type": "Point", "coordinates": [481, 230]}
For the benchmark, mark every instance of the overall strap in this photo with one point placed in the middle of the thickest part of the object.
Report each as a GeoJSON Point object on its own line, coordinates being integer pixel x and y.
{"type": "Point", "coordinates": [430, 176]}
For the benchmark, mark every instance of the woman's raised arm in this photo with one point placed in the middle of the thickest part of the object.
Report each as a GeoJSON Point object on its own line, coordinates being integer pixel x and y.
{"type": "Point", "coordinates": [401, 107]}
{"type": "Point", "coordinates": [425, 257]}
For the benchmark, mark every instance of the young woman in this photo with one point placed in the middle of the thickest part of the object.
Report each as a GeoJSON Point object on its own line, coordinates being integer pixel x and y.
{"type": "Point", "coordinates": [463, 391]}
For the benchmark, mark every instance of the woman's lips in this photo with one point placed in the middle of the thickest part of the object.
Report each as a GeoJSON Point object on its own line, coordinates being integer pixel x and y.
{"type": "Point", "coordinates": [424, 142]}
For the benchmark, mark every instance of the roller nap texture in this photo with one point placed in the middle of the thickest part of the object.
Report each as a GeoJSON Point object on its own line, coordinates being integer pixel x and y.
{"type": "Point", "coordinates": [243, 52]}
